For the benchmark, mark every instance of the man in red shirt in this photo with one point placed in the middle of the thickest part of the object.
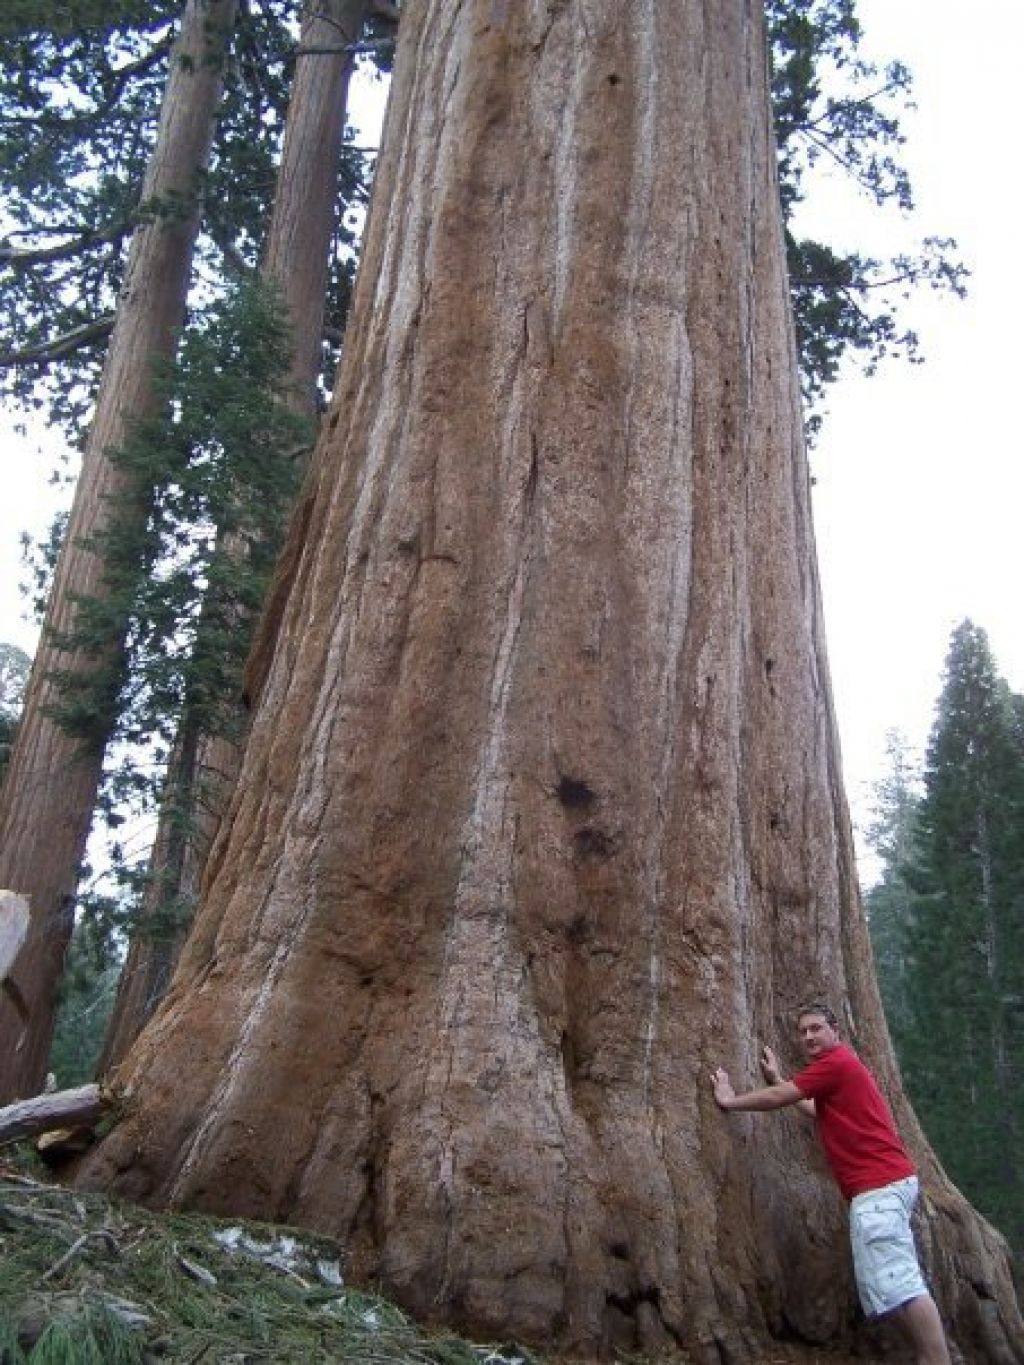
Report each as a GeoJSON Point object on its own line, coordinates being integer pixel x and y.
{"type": "Point", "coordinates": [871, 1168]}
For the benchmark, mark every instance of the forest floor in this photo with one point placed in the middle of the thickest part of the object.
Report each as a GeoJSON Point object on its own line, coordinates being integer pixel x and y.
{"type": "Point", "coordinates": [88, 1281]}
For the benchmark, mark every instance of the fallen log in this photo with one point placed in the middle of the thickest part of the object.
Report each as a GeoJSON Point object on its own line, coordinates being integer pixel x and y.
{"type": "Point", "coordinates": [79, 1108]}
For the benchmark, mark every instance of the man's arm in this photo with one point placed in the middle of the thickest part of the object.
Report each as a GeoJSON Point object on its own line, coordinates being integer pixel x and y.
{"type": "Point", "coordinates": [771, 1097]}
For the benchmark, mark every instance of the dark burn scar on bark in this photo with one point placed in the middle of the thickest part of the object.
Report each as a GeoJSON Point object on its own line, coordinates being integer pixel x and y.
{"type": "Point", "coordinates": [574, 794]}
{"type": "Point", "coordinates": [593, 843]}
{"type": "Point", "coordinates": [578, 930]}
{"type": "Point", "coordinates": [629, 1303]}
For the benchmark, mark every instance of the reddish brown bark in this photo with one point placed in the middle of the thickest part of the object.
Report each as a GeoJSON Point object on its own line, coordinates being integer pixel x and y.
{"type": "Point", "coordinates": [541, 815]}
{"type": "Point", "coordinates": [50, 785]}
{"type": "Point", "coordinates": [306, 194]}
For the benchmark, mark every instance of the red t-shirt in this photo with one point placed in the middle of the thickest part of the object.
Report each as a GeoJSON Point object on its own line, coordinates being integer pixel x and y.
{"type": "Point", "coordinates": [854, 1122]}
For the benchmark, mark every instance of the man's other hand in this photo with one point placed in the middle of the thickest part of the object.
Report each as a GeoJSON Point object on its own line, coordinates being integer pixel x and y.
{"type": "Point", "coordinates": [770, 1066]}
{"type": "Point", "coordinates": [722, 1086]}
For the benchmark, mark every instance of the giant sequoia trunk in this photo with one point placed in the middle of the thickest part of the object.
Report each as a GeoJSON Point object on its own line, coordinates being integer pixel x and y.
{"type": "Point", "coordinates": [204, 767]}
{"type": "Point", "coordinates": [50, 786]}
{"type": "Point", "coordinates": [541, 816]}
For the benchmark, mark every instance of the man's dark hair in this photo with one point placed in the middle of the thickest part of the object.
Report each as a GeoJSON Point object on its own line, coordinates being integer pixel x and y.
{"type": "Point", "coordinates": [818, 1007]}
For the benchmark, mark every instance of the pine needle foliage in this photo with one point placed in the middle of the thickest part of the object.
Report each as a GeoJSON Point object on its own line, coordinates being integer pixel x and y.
{"type": "Point", "coordinates": [889, 903]}
{"type": "Point", "coordinates": [93, 1336]}
{"type": "Point", "coordinates": [953, 949]}
{"type": "Point", "coordinates": [186, 563]}
{"type": "Point", "coordinates": [215, 469]}
{"type": "Point", "coordinates": [87, 990]}
{"type": "Point", "coordinates": [81, 85]}
{"type": "Point", "coordinates": [14, 668]}
{"type": "Point", "coordinates": [834, 107]}
{"type": "Point", "coordinates": [84, 1280]}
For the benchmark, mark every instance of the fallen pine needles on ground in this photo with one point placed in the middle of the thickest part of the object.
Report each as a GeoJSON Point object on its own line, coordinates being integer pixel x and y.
{"type": "Point", "coordinates": [86, 1281]}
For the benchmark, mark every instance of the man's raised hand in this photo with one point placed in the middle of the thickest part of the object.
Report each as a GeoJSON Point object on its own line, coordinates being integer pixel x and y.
{"type": "Point", "coordinates": [722, 1086]}
{"type": "Point", "coordinates": [770, 1066]}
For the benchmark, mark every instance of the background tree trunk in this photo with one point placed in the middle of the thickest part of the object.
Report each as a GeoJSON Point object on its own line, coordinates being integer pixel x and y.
{"type": "Point", "coordinates": [50, 786]}
{"type": "Point", "coordinates": [541, 815]}
{"type": "Point", "coordinates": [306, 195]}
{"type": "Point", "coordinates": [204, 767]}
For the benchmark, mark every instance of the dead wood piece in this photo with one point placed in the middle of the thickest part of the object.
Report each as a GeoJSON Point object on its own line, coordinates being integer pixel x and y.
{"type": "Point", "coordinates": [9, 1176]}
{"type": "Point", "coordinates": [64, 1109]}
{"type": "Point", "coordinates": [61, 1143]}
{"type": "Point", "coordinates": [96, 1234]}
{"type": "Point", "coordinates": [69, 1255]}
{"type": "Point", "coordinates": [14, 1214]}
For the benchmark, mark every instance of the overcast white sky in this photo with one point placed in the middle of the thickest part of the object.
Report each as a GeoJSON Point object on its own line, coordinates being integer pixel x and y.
{"type": "Point", "coordinates": [919, 472]}
{"type": "Point", "coordinates": [920, 476]}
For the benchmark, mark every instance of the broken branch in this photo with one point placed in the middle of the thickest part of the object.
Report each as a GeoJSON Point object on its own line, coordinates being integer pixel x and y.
{"type": "Point", "coordinates": [65, 1109]}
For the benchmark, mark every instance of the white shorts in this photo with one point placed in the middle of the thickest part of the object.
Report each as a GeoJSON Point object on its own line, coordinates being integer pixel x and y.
{"type": "Point", "coordinates": [884, 1256]}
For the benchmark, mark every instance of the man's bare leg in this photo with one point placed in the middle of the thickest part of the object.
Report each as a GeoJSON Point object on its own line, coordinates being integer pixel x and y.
{"type": "Point", "coordinates": [920, 1319]}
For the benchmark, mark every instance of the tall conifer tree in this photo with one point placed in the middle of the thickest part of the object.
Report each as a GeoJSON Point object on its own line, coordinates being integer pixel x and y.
{"type": "Point", "coordinates": [963, 1044]}
{"type": "Point", "coordinates": [541, 812]}
{"type": "Point", "coordinates": [889, 901]}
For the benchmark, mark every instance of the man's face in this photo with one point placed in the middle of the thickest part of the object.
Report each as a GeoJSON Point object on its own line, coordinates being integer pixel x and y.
{"type": "Point", "coordinates": [816, 1035]}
